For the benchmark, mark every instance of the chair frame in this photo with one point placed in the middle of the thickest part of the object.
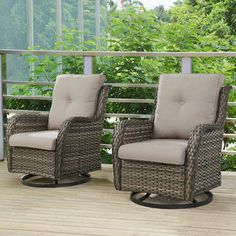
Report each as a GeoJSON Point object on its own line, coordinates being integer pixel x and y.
{"type": "Point", "coordinates": [200, 173]}
{"type": "Point", "coordinates": [77, 149]}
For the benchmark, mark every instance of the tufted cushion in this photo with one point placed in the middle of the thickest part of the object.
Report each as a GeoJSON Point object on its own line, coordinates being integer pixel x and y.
{"type": "Point", "coordinates": [168, 151]}
{"type": "Point", "coordinates": [45, 140]}
{"type": "Point", "coordinates": [184, 101]}
{"type": "Point", "coordinates": [74, 95]}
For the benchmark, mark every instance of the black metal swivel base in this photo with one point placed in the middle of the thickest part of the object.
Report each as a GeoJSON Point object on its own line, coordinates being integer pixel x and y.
{"type": "Point", "coordinates": [44, 182]}
{"type": "Point", "coordinates": [154, 201]}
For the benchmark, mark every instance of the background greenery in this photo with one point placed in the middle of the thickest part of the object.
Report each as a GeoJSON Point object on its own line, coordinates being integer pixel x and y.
{"type": "Point", "coordinates": [187, 26]}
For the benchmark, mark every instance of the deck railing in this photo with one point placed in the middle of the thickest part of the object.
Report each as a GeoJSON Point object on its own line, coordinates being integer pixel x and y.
{"type": "Point", "coordinates": [88, 69]}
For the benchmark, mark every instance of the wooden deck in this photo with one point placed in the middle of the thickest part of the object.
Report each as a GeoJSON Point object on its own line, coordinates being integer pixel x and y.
{"type": "Point", "coordinates": [96, 208]}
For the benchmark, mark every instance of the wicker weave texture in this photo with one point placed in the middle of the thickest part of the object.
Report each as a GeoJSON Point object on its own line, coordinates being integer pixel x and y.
{"type": "Point", "coordinates": [77, 148]}
{"type": "Point", "coordinates": [165, 180]}
{"type": "Point", "coordinates": [200, 173]}
{"type": "Point", "coordinates": [33, 161]}
{"type": "Point", "coordinates": [129, 131]}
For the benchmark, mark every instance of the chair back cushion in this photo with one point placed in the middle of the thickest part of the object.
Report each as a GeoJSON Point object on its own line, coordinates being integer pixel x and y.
{"type": "Point", "coordinates": [184, 101]}
{"type": "Point", "coordinates": [74, 95]}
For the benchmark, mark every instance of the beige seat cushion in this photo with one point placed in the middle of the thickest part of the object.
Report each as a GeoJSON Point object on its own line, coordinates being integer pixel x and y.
{"type": "Point", "coordinates": [74, 95]}
{"type": "Point", "coordinates": [184, 101]}
{"type": "Point", "coordinates": [168, 151]}
{"type": "Point", "coordinates": [45, 140]}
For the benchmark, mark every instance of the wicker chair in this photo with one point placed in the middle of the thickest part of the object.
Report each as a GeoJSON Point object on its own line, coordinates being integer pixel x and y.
{"type": "Point", "coordinates": [173, 159]}
{"type": "Point", "coordinates": [62, 147]}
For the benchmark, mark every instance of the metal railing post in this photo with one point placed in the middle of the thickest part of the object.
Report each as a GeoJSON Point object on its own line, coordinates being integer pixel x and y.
{"type": "Point", "coordinates": [81, 20]}
{"type": "Point", "coordinates": [186, 65]}
{"type": "Point", "coordinates": [59, 32]}
{"type": "Point", "coordinates": [30, 17]}
{"type": "Point", "coordinates": [98, 22]}
{"type": "Point", "coordinates": [30, 21]}
{"type": "Point", "coordinates": [2, 77]}
{"type": "Point", "coordinates": [88, 65]}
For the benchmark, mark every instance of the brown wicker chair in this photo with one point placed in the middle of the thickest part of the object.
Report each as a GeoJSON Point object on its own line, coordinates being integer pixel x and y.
{"type": "Point", "coordinates": [62, 147]}
{"type": "Point", "coordinates": [171, 160]}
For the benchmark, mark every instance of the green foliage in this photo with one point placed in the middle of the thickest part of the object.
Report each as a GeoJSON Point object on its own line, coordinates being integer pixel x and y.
{"type": "Point", "coordinates": [188, 26]}
{"type": "Point", "coordinates": [228, 163]}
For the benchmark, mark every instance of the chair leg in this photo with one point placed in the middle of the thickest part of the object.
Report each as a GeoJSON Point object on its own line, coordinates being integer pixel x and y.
{"type": "Point", "coordinates": [44, 182]}
{"type": "Point", "coordinates": [154, 201]}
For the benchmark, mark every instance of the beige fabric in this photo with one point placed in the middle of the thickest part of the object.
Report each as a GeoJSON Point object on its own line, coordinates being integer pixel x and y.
{"type": "Point", "coordinates": [74, 95]}
{"type": "Point", "coordinates": [169, 151]}
{"type": "Point", "coordinates": [45, 140]}
{"type": "Point", "coordinates": [184, 101]}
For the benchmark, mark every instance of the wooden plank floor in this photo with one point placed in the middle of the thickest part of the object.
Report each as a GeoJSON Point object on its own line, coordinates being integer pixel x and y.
{"type": "Point", "coordinates": [96, 208]}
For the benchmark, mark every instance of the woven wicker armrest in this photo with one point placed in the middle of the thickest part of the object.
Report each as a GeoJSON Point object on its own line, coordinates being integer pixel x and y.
{"type": "Point", "coordinates": [101, 105]}
{"type": "Point", "coordinates": [128, 131]}
{"type": "Point", "coordinates": [201, 135]}
{"type": "Point", "coordinates": [203, 148]}
{"type": "Point", "coordinates": [78, 136]}
{"type": "Point", "coordinates": [131, 131]}
{"type": "Point", "coordinates": [77, 129]}
{"type": "Point", "coordinates": [78, 124]}
{"type": "Point", "coordinates": [27, 122]}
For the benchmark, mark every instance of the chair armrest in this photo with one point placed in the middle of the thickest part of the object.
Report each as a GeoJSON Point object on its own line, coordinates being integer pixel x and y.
{"type": "Point", "coordinates": [102, 101]}
{"type": "Point", "coordinates": [201, 135]}
{"type": "Point", "coordinates": [79, 135]}
{"type": "Point", "coordinates": [24, 122]}
{"type": "Point", "coordinates": [128, 131]}
{"type": "Point", "coordinates": [80, 124]}
{"type": "Point", "coordinates": [27, 122]}
{"type": "Point", "coordinates": [131, 131]}
{"type": "Point", "coordinates": [204, 146]}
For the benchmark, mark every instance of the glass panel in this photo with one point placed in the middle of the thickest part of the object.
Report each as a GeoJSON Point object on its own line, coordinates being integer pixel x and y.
{"type": "Point", "coordinates": [104, 24]}
{"type": "Point", "coordinates": [44, 23]}
{"type": "Point", "coordinates": [13, 25]}
{"type": "Point", "coordinates": [13, 35]}
{"type": "Point", "coordinates": [89, 24]}
{"type": "Point", "coordinates": [71, 24]}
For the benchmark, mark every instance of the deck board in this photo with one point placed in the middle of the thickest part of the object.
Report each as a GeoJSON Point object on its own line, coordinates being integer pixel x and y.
{"type": "Point", "coordinates": [96, 209]}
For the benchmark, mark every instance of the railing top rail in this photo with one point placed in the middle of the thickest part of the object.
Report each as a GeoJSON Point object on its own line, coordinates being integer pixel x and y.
{"type": "Point", "coordinates": [118, 53]}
